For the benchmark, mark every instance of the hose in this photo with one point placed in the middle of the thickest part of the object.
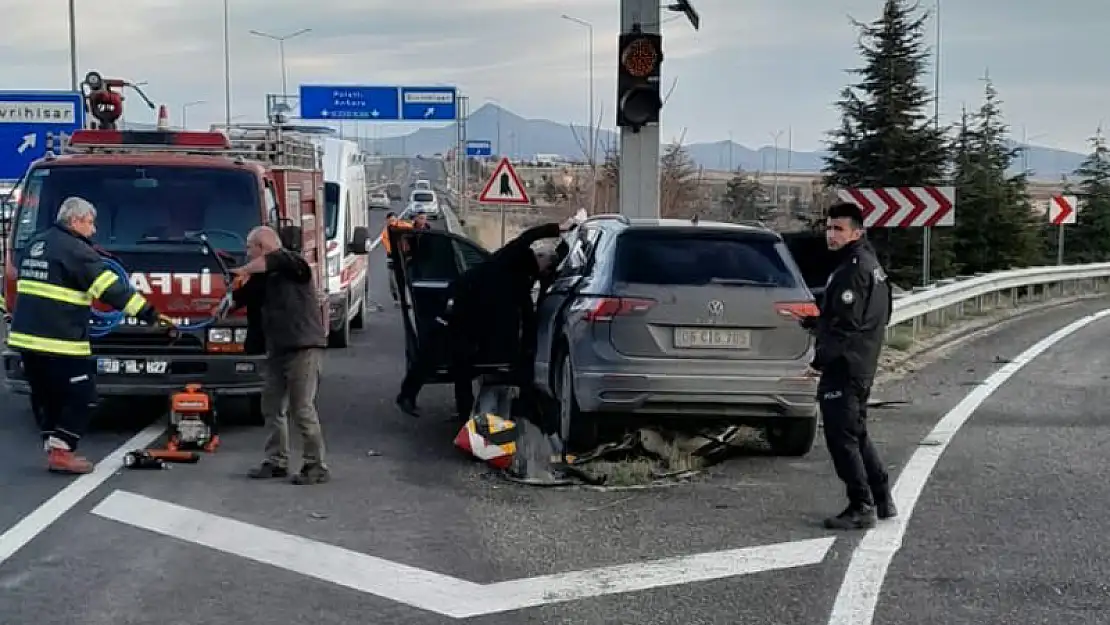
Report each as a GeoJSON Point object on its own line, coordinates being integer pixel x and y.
{"type": "Point", "coordinates": [104, 323]}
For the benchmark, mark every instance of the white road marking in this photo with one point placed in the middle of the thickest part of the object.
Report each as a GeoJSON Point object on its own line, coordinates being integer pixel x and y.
{"type": "Point", "coordinates": [64, 500]}
{"type": "Point", "coordinates": [434, 592]}
{"type": "Point", "coordinates": [859, 592]}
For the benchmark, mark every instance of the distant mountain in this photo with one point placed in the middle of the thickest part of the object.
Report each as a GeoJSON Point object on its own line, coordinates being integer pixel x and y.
{"type": "Point", "coordinates": [524, 138]}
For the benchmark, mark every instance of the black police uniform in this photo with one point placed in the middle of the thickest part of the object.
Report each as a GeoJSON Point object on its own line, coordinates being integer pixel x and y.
{"type": "Point", "coordinates": [60, 274]}
{"type": "Point", "coordinates": [849, 335]}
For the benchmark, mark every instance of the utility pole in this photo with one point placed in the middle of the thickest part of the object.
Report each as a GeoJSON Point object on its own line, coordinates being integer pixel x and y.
{"type": "Point", "coordinates": [73, 84]}
{"type": "Point", "coordinates": [227, 63]}
{"type": "Point", "coordinates": [638, 195]}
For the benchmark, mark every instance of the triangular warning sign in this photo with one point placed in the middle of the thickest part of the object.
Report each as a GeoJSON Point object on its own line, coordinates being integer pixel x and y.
{"type": "Point", "coordinates": [504, 186]}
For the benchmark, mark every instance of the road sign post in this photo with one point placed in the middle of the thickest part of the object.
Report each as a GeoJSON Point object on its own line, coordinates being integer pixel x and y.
{"type": "Point", "coordinates": [28, 119]}
{"type": "Point", "coordinates": [638, 194]}
{"type": "Point", "coordinates": [1062, 210]}
{"type": "Point", "coordinates": [504, 187]}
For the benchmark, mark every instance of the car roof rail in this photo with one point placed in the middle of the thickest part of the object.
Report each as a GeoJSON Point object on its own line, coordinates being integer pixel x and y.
{"type": "Point", "coordinates": [610, 216]}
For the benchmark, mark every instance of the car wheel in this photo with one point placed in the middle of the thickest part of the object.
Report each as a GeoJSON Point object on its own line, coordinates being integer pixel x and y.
{"type": "Point", "coordinates": [359, 320]}
{"type": "Point", "coordinates": [578, 429]}
{"type": "Point", "coordinates": [341, 337]}
{"type": "Point", "coordinates": [793, 436]}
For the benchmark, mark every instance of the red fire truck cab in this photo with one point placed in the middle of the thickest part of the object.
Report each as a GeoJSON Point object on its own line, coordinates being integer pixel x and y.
{"type": "Point", "coordinates": [159, 194]}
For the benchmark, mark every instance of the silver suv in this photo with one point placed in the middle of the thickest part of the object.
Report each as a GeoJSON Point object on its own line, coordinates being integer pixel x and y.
{"type": "Point", "coordinates": [655, 320]}
{"type": "Point", "coordinates": [678, 320]}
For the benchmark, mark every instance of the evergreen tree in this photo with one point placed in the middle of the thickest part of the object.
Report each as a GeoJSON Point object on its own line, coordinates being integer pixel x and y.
{"type": "Point", "coordinates": [886, 137]}
{"type": "Point", "coordinates": [1088, 241]}
{"type": "Point", "coordinates": [995, 225]}
{"type": "Point", "coordinates": [745, 199]}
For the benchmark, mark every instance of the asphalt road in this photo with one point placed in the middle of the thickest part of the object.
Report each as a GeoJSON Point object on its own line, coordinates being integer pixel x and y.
{"type": "Point", "coordinates": [1008, 529]}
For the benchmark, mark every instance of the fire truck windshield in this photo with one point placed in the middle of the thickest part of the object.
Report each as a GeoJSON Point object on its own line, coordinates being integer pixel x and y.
{"type": "Point", "coordinates": [137, 204]}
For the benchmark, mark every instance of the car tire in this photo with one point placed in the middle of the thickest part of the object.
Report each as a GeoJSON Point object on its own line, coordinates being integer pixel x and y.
{"type": "Point", "coordinates": [582, 427]}
{"type": "Point", "coordinates": [792, 436]}
{"type": "Point", "coordinates": [341, 337]}
{"type": "Point", "coordinates": [358, 322]}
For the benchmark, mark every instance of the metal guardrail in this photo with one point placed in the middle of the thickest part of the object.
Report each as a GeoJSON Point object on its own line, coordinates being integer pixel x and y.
{"type": "Point", "coordinates": [955, 298]}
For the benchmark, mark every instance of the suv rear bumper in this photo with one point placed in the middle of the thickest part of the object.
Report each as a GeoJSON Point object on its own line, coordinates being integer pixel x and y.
{"type": "Point", "coordinates": [239, 375]}
{"type": "Point", "coordinates": [701, 396]}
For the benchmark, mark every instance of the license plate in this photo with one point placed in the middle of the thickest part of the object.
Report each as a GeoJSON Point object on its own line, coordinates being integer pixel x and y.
{"type": "Point", "coordinates": [710, 338]}
{"type": "Point", "coordinates": [131, 366]}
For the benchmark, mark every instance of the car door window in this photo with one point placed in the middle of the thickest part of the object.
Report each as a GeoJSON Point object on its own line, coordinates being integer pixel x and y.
{"type": "Point", "coordinates": [581, 252]}
{"type": "Point", "coordinates": [438, 256]}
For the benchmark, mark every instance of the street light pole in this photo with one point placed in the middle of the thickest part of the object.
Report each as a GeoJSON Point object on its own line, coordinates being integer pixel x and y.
{"type": "Point", "coordinates": [227, 63]}
{"type": "Point", "coordinates": [281, 51]}
{"type": "Point", "coordinates": [185, 112]}
{"type": "Point", "coordinates": [73, 45]}
{"type": "Point", "coordinates": [591, 133]}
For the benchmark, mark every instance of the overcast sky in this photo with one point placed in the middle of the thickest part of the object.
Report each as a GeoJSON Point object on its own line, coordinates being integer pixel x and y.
{"type": "Point", "coordinates": [756, 66]}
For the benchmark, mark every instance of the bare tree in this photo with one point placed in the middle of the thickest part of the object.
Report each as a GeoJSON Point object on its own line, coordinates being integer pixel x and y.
{"type": "Point", "coordinates": [679, 180]}
{"type": "Point", "coordinates": [590, 146]}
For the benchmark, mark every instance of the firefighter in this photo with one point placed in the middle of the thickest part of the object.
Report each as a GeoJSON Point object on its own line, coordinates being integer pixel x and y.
{"type": "Point", "coordinates": [490, 317]}
{"type": "Point", "coordinates": [60, 274]}
{"type": "Point", "coordinates": [849, 334]}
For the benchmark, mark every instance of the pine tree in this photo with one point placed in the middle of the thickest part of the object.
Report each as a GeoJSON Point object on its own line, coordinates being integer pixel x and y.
{"type": "Point", "coordinates": [745, 199]}
{"type": "Point", "coordinates": [886, 137]}
{"type": "Point", "coordinates": [1088, 241]}
{"type": "Point", "coordinates": [995, 225]}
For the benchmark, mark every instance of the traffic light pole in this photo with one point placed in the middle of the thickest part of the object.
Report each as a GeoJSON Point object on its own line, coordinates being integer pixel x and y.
{"type": "Point", "coordinates": [638, 194]}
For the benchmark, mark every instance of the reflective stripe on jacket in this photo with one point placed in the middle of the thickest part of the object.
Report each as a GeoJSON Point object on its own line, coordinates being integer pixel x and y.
{"type": "Point", "coordinates": [59, 275]}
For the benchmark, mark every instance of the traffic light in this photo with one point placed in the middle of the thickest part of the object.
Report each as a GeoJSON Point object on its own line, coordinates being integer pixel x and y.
{"type": "Point", "coordinates": [640, 57]}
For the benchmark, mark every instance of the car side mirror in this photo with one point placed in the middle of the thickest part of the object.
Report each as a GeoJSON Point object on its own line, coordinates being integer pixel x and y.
{"type": "Point", "coordinates": [292, 238]}
{"type": "Point", "coordinates": [360, 239]}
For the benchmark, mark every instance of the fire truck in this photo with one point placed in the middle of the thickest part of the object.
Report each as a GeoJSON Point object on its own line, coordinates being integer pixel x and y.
{"type": "Point", "coordinates": [174, 209]}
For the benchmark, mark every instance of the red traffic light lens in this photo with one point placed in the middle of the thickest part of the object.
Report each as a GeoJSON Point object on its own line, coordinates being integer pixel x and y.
{"type": "Point", "coordinates": [640, 57]}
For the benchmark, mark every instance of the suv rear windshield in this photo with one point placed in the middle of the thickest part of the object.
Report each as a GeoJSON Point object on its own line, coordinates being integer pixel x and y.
{"type": "Point", "coordinates": [143, 202]}
{"type": "Point", "coordinates": [423, 197]}
{"type": "Point", "coordinates": [696, 259]}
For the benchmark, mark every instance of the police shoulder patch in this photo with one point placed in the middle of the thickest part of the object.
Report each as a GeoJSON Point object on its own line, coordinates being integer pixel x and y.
{"type": "Point", "coordinates": [37, 249]}
{"type": "Point", "coordinates": [847, 296]}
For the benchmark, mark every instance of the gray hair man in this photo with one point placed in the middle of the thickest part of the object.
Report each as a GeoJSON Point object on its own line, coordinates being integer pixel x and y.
{"type": "Point", "coordinates": [295, 338]}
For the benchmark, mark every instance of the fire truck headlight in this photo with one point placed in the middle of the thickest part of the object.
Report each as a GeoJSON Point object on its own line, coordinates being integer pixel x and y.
{"type": "Point", "coordinates": [240, 335]}
{"type": "Point", "coordinates": [219, 335]}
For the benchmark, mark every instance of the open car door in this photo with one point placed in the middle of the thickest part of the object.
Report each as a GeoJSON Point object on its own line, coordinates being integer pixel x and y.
{"type": "Point", "coordinates": [425, 264]}
{"type": "Point", "coordinates": [813, 257]}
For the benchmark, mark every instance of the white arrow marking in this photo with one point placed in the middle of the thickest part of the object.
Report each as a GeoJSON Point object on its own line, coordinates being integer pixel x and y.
{"type": "Point", "coordinates": [324, 113]}
{"type": "Point", "coordinates": [429, 112]}
{"type": "Point", "coordinates": [374, 113]}
{"type": "Point", "coordinates": [435, 592]}
{"type": "Point", "coordinates": [29, 141]}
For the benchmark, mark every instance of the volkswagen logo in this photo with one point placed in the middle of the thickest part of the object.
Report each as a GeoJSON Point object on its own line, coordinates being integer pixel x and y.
{"type": "Point", "coordinates": [716, 307]}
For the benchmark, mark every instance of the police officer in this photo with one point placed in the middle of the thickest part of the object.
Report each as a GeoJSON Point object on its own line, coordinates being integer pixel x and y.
{"type": "Point", "coordinates": [60, 274]}
{"type": "Point", "coordinates": [849, 335]}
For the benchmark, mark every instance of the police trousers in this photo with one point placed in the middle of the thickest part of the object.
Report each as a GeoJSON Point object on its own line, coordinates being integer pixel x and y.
{"type": "Point", "coordinates": [63, 390]}
{"type": "Point", "coordinates": [843, 403]}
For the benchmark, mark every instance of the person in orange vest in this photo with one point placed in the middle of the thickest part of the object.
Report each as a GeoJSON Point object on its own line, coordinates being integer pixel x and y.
{"type": "Point", "coordinates": [395, 223]}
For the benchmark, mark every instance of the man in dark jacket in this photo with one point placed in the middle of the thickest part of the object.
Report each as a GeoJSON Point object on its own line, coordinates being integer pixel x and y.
{"type": "Point", "coordinates": [60, 274]}
{"type": "Point", "coordinates": [294, 334]}
{"type": "Point", "coordinates": [849, 335]}
{"type": "Point", "coordinates": [490, 317]}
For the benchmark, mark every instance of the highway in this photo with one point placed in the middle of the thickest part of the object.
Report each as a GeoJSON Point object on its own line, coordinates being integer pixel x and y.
{"type": "Point", "coordinates": [1007, 529]}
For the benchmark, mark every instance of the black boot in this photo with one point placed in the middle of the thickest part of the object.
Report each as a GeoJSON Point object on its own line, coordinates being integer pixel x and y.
{"type": "Point", "coordinates": [885, 508]}
{"type": "Point", "coordinates": [407, 406]}
{"type": "Point", "coordinates": [854, 517]}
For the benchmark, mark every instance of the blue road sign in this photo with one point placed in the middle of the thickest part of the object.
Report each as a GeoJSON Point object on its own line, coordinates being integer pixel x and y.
{"type": "Point", "coordinates": [479, 148]}
{"type": "Point", "coordinates": [429, 104]}
{"type": "Point", "coordinates": [26, 118]}
{"type": "Point", "coordinates": [350, 102]}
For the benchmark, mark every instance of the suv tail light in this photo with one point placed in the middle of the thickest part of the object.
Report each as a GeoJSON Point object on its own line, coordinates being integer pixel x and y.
{"type": "Point", "coordinates": [797, 309]}
{"type": "Point", "coordinates": [600, 309]}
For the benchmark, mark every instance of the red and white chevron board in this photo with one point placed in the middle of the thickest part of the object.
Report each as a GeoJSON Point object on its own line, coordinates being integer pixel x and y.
{"type": "Point", "coordinates": [1062, 209]}
{"type": "Point", "coordinates": [904, 207]}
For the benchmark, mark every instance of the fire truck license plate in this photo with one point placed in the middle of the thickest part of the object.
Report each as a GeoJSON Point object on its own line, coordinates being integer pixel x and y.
{"type": "Point", "coordinates": [131, 366]}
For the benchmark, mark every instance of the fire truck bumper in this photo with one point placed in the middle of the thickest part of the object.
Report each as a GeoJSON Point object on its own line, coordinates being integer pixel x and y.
{"type": "Point", "coordinates": [158, 375]}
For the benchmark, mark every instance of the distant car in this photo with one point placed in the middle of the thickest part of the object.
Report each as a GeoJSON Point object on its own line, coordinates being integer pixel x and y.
{"type": "Point", "coordinates": [379, 199]}
{"type": "Point", "coordinates": [425, 202]}
{"type": "Point", "coordinates": [422, 185]}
